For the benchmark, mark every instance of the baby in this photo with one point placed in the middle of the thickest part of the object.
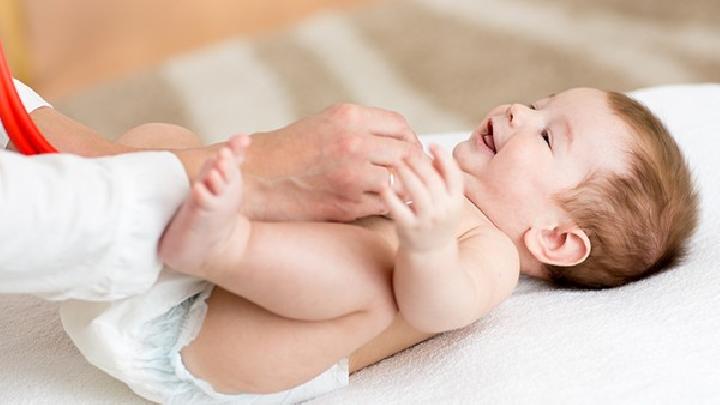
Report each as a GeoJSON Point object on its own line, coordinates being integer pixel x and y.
{"type": "Point", "coordinates": [584, 188]}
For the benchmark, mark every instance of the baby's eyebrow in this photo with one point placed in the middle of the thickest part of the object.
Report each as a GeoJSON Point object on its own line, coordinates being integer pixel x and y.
{"type": "Point", "coordinates": [568, 133]}
{"type": "Point", "coordinates": [545, 101]}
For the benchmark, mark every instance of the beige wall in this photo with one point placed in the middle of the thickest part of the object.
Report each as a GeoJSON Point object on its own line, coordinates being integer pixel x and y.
{"type": "Point", "coordinates": [72, 44]}
{"type": "Point", "coordinates": [13, 37]}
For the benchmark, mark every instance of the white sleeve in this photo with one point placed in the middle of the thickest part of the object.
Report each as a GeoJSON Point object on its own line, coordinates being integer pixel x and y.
{"type": "Point", "coordinates": [31, 100]}
{"type": "Point", "coordinates": [73, 227]}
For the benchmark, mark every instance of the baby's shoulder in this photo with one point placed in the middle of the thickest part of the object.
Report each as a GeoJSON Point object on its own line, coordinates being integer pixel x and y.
{"type": "Point", "coordinates": [492, 256]}
{"type": "Point", "coordinates": [486, 239]}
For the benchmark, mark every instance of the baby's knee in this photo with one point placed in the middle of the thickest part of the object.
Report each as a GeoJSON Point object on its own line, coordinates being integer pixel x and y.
{"type": "Point", "coordinates": [157, 135]}
{"type": "Point", "coordinates": [382, 309]}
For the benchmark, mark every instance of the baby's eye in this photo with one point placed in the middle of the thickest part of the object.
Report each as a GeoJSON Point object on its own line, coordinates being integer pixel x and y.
{"type": "Point", "coordinates": [546, 137]}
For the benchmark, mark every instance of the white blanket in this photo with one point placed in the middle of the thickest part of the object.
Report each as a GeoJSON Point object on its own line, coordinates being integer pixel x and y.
{"type": "Point", "coordinates": [655, 341]}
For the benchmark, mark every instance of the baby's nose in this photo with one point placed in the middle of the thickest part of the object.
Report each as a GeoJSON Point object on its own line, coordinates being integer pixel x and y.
{"type": "Point", "coordinates": [516, 114]}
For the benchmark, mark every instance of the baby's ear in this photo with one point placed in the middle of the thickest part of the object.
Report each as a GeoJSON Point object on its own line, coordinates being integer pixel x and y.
{"type": "Point", "coordinates": [562, 246]}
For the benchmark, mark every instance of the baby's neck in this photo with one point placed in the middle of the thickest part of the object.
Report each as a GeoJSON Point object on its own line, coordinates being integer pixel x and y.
{"type": "Point", "coordinates": [473, 216]}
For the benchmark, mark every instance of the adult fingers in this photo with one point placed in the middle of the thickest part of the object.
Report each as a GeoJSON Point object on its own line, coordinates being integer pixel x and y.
{"type": "Point", "coordinates": [416, 189]}
{"type": "Point", "coordinates": [372, 204]}
{"type": "Point", "coordinates": [375, 178]}
{"type": "Point", "coordinates": [423, 167]}
{"type": "Point", "coordinates": [389, 124]}
{"type": "Point", "coordinates": [386, 151]}
{"type": "Point", "coordinates": [399, 211]}
{"type": "Point", "coordinates": [368, 204]}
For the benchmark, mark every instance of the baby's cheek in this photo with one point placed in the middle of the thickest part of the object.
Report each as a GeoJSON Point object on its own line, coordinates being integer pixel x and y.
{"type": "Point", "coordinates": [523, 160]}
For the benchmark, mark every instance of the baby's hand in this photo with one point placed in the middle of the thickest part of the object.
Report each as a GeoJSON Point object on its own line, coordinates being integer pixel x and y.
{"type": "Point", "coordinates": [435, 188]}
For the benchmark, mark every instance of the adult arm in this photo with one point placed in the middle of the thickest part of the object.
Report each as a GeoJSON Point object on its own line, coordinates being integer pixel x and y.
{"type": "Point", "coordinates": [328, 166]}
{"type": "Point", "coordinates": [81, 228]}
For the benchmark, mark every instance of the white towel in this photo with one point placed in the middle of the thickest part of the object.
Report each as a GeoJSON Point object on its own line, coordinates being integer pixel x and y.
{"type": "Point", "coordinates": [656, 341]}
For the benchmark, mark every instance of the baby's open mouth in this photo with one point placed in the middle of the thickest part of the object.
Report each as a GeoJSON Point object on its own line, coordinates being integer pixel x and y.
{"type": "Point", "coordinates": [487, 136]}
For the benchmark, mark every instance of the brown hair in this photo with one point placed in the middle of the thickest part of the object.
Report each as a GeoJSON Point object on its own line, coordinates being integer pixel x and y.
{"type": "Point", "coordinates": [638, 223]}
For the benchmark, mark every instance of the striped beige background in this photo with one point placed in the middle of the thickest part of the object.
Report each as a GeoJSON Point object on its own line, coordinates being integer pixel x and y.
{"type": "Point", "coordinates": [441, 63]}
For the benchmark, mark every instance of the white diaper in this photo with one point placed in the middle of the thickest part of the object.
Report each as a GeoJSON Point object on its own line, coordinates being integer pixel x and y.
{"type": "Point", "coordinates": [138, 341]}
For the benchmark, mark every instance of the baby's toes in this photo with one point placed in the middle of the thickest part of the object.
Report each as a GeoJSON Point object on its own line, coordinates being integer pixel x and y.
{"type": "Point", "coordinates": [228, 165]}
{"type": "Point", "coordinates": [200, 196]}
{"type": "Point", "coordinates": [215, 182]}
{"type": "Point", "coordinates": [206, 167]}
{"type": "Point", "coordinates": [238, 145]}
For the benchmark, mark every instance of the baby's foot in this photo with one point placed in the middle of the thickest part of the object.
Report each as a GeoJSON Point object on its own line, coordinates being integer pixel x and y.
{"type": "Point", "coordinates": [209, 219]}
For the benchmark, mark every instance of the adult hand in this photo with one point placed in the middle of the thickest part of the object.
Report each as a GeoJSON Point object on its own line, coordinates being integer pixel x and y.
{"type": "Point", "coordinates": [329, 166]}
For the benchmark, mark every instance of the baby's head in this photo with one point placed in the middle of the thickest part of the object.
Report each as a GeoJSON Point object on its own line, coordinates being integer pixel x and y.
{"type": "Point", "coordinates": [590, 186]}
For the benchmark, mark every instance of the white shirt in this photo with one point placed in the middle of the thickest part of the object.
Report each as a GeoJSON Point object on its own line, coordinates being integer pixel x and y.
{"type": "Point", "coordinates": [31, 100]}
{"type": "Point", "coordinates": [72, 227]}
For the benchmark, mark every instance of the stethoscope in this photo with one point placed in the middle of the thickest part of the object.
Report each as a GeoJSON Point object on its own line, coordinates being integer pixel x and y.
{"type": "Point", "coordinates": [20, 128]}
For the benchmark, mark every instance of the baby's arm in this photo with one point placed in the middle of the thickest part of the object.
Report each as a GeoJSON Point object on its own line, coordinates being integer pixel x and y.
{"type": "Point", "coordinates": [449, 288]}
{"type": "Point", "coordinates": [443, 282]}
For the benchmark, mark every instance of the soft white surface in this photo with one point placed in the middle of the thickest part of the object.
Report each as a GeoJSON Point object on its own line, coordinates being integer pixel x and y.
{"type": "Point", "coordinates": [655, 341]}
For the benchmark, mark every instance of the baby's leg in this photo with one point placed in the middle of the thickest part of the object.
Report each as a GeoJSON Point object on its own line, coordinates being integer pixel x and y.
{"type": "Point", "coordinates": [207, 222]}
{"type": "Point", "coordinates": [159, 136]}
{"type": "Point", "coordinates": [307, 271]}
{"type": "Point", "coordinates": [245, 348]}
{"type": "Point", "coordinates": [311, 271]}
{"type": "Point", "coordinates": [71, 136]}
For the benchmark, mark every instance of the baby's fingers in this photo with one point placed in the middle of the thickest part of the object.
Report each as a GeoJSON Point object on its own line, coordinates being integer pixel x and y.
{"type": "Point", "coordinates": [399, 211]}
{"type": "Point", "coordinates": [449, 169]}
{"type": "Point", "coordinates": [415, 189]}
{"type": "Point", "coordinates": [424, 168]}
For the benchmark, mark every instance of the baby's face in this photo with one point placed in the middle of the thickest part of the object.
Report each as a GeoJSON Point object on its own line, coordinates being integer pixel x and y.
{"type": "Point", "coordinates": [521, 156]}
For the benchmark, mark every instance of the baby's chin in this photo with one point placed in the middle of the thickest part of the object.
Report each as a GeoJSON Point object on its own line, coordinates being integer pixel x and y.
{"type": "Point", "coordinates": [469, 158]}
{"type": "Point", "coordinates": [462, 154]}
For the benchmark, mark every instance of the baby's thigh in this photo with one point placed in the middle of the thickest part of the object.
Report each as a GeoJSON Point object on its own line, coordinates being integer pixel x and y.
{"type": "Point", "coordinates": [159, 136]}
{"type": "Point", "coordinates": [243, 348]}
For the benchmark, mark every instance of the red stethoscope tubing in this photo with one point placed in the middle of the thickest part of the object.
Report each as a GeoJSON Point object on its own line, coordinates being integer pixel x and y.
{"type": "Point", "coordinates": [20, 128]}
